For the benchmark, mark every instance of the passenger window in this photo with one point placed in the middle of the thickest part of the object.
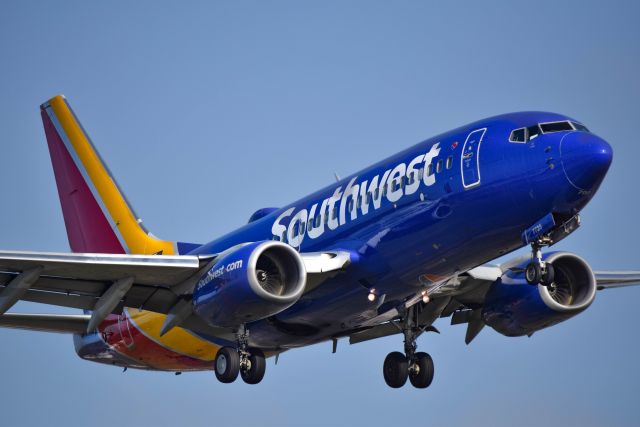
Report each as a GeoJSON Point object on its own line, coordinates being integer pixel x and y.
{"type": "Point", "coordinates": [376, 193]}
{"type": "Point", "coordinates": [449, 162]}
{"type": "Point", "coordinates": [439, 166]}
{"type": "Point", "coordinates": [350, 205]}
{"type": "Point", "coordinates": [429, 169]}
{"type": "Point", "coordinates": [420, 174]}
{"type": "Point", "coordinates": [317, 219]}
{"type": "Point", "coordinates": [334, 212]}
{"type": "Point", "coordinates": [302, 228]}
{"type": "Point", "coordinates": [518, 135]}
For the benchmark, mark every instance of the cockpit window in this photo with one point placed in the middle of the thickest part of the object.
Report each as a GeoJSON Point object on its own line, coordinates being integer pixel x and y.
{"type": "Point", "coordinates": [580, 127]}
{"type": "Point", "coordinates": [533, 132]}
{"type": "Point", "coordinates": [518, 135]}
{"type": "Point", "coordinates": [556, 127]}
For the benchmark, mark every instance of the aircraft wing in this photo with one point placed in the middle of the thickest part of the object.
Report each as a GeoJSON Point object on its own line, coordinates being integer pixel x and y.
{"type": "Point", "coordinates": [466, 306]}
{"type": "Point", "coordinates": [462, 298]}
{"type": "Point", "coordinates": [61, 323]}
{"type": "Point", "coordinates": [616, 279]}
{"type": "Point", "coordinates": [105, 283]}
{"type": "Point", "coordinates": [85, 280]}
{"type": "Point", "coordinates": [604, 279]}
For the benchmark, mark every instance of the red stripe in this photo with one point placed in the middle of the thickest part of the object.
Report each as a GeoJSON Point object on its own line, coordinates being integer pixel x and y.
{"type": "Point", "coordinates": [127, 340]}
{"type": "Point", "coordinates": [88, 229]}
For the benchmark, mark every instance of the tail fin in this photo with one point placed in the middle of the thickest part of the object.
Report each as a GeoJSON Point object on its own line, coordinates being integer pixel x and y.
{"type": "Point", "coordinates": [96, 213]}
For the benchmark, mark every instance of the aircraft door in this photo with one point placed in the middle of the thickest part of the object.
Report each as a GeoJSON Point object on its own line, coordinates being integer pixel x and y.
{"type": "Point", "coordinates": [470, 161]}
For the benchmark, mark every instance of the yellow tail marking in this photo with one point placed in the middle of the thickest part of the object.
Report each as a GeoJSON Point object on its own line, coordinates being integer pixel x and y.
{"type": "Point", "coordinates": [136, 239]}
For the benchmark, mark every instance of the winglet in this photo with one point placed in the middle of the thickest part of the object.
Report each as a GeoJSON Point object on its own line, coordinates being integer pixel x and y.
{"type": "Point", "coordinates": [96, 213]}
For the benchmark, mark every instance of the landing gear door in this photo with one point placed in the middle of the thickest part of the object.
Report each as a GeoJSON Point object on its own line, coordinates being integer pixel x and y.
{"type": "Point", "coordinates": [470, 162]}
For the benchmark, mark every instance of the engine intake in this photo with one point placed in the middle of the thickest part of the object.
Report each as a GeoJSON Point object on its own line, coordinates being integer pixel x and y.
{"type": "Point", "coordinates": [249, 283]}
{"type": "Point", "coordinates": [515, 308]}
{"type": "Point", "coordinates": [574, 286]}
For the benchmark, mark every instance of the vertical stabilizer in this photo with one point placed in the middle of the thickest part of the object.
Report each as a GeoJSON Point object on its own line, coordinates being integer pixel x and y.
{"type": "Point", "coordinates": [96, 213]}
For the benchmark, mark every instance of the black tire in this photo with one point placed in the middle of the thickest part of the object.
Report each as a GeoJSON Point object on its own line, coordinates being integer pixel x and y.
{"type": "Point", "coordinates": [424, 376]}
{"type": "Point", "coordinates": [549, 274]}
{"type": "Point", "coordinates": [255, 373]}
{"type": "Point", "coordinates": [227, 365]}
{"type": "Point", "coordinates": [533, 273]}
{"type": "Point", "coordinates": [395, 369]}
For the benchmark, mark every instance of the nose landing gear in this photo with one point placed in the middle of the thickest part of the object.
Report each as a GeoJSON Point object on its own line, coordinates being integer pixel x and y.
{"type": "Point", "coordinates": [412, 365]}
{"type": "Point", "coordinates": [249, 363]}
{"type": "Point", "coordinates": [539, 271]}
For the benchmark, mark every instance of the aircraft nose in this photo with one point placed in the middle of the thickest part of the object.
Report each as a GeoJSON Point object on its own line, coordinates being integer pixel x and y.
{"type": "Point", "coordinates": [585, 159]}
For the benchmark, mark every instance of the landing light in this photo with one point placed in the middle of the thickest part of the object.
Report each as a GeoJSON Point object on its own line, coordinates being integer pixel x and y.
{"type": "Point", "coordinates": [372, 296]}
{"type": "Point", "coordinates": [425, 297]}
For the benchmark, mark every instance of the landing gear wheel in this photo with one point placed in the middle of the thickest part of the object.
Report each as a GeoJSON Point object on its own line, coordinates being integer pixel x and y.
{"type": "Point", "coordinates": [254, 373]}
{"type": "Point", "coordinates": [395, 369]}
{"type": "Point", "coordinates": [549, 274]}
{"type": "Point", "coordinates": [533, 273]}
{"type": "Point", "coordinates": [227, 365]}
{"type": "Point", "coordinates": [421, 373]}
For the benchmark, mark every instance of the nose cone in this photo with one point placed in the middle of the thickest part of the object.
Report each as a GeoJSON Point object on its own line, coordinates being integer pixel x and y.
{"type": "Point", "coordinates": [585, 160]}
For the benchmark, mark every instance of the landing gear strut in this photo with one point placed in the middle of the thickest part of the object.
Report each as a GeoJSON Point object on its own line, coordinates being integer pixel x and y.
{"type": "Point", "coordinates": [539, 271]}
{"type": "Point", "coordinates": [412, 365]}
{"type": "Point", "coordinates": [249, 363]}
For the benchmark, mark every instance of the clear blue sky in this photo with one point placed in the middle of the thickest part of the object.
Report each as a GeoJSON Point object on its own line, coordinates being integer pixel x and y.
{"type": "Point", "coordinates": [206, 111]}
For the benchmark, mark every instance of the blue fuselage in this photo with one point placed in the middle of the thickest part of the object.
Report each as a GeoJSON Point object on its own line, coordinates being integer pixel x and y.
{"type": "Point", "coordinates": [439, 208]}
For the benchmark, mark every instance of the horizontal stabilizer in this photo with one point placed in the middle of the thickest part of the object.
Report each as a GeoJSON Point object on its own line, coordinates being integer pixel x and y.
{"type": "Point", "coordinates": [60, 323]}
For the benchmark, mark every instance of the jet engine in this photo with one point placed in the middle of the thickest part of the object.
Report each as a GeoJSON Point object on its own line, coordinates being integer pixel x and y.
{"type": "Point", "coordinates": [515, 308]}
{"type": "Point", "coordinates": [250, 282]}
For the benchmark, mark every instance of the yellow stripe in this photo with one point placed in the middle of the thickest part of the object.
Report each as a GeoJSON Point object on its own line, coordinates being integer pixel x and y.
{"type": "Point", "coordinates": [138, 242]}
{"type": "Point", "coordinates": [177, 339]}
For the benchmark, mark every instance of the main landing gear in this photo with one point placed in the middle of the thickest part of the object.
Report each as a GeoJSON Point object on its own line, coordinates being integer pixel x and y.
{"type": "Point", "coordinates": [539, 271]}
{"type": "Point", "coordinates": [249, 363]}
{"type": "Point", "coordinates": [412, 365]}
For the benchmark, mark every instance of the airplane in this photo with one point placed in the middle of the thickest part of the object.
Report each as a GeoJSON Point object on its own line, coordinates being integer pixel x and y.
{"type": "Point", "coordinates": [387, 250]}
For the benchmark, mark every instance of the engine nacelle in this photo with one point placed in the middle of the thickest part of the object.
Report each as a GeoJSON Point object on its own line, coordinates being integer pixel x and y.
{"type": "Point", "coordinates": [515, 308]}
{"type": "Point", "coordinates": [250, 283]}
